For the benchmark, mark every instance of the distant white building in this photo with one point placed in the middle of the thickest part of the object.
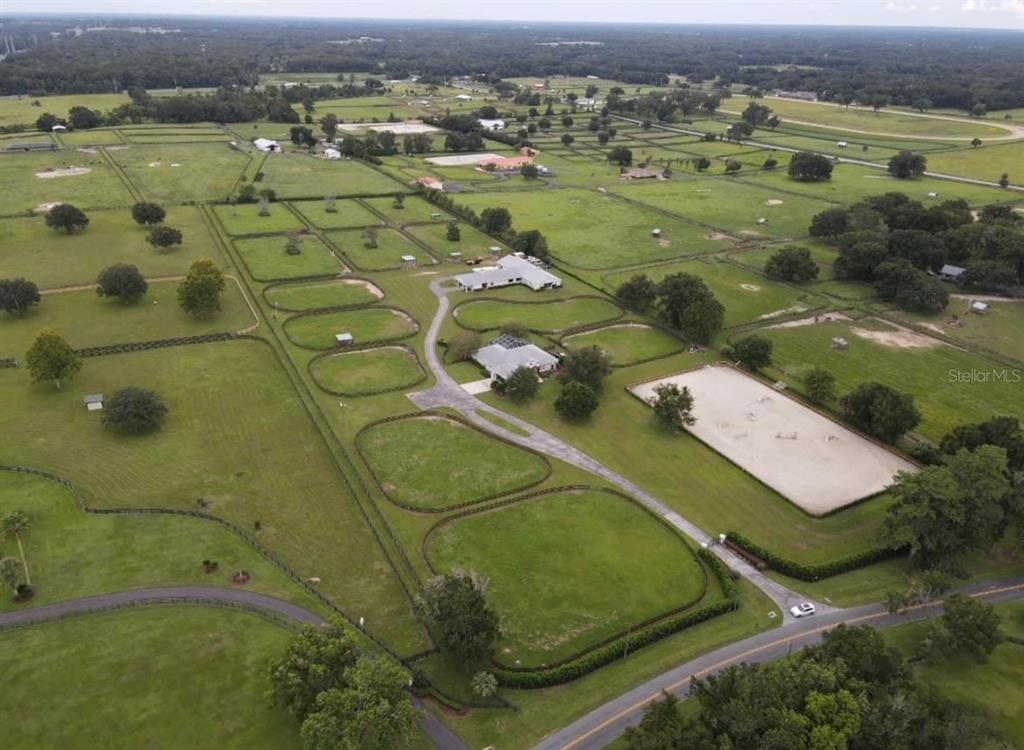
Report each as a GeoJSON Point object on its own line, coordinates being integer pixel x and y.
{"type": "Point", "coordinates": [59, 128]}
{"type": "Point", "coordinates": [265, 144]}
{"type": "Point", "coordinates": [332, 153]}
{"type": "Point", "coordinates": [506, 354]}
{"type": "Point", "coordinates": [492, 124]}
{"type": "Point", "coordinates": [510, 270]}
{"type": "Point", "coordinates": [463, 97]}
{"type": "Point", "coordinates": [951, 273]}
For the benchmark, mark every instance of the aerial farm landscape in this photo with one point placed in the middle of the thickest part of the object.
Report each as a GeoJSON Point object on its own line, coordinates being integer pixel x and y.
{"type": "Point", "coordinates": [394, 384]}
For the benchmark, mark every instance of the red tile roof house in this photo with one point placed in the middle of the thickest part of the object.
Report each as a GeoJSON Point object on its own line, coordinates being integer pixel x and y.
{"type": "Point", "coordinates": [504, 164]}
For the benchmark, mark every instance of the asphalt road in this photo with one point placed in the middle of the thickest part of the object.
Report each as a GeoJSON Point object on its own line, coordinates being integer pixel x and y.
{"type": "Point", "coordinates": [606, 723]}
{"type": "Point", "coordinates": [442, 737]}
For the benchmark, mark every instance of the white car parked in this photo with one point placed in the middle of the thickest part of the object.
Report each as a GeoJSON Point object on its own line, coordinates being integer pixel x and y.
{"type": "Point", "coordinates": [803, 609]}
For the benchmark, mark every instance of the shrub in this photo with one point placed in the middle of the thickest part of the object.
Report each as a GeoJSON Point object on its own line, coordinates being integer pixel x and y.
{"type": "Point", "coordinates": [811, 571]}
{"type": "Point", "coordinates": [123, 282]}
{"type": "Point", "coordinates": [133, 410]}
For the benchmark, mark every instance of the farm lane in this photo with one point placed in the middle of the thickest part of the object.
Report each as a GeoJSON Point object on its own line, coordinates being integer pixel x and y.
{"type": "Point", "coordinates": [447, 393]}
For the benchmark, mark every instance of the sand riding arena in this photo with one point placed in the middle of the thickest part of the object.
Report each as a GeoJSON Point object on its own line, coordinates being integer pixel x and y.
{"type": "Point", "coordinates": [811, 460]}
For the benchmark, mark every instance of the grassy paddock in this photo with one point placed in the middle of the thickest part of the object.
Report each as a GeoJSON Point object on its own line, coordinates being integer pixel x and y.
{"type": "Point", "coordinates": [348, 214]}
{"type": "Point", "coordinates": [472, 243]}
{"type": "Point", "coordinates": [73, 554]}
{"type": "Point", "coordinates": [55, 259]}
{"type": "Point", "coordinates": [568, 570]}
{"type": "Point", "coordinates": [931, 373]}
{"type": "Point", "coordinates": [415, 209]}
{"type": "Point", "coordinates": [245, 219]}
{"type": "Point", "coordinates": [405, 456]}
{"type": "Point", "coordinates": [176, 677]}
{"type": "Point", "coordinates": [207, 171]}
{"type": "Point", "coordinates": [391, 246]}
{"type": "Point", "coordinates": [22, 191]}
{"type": "Point", "coordinates": [266, 259]}
{"type": "Point", "coordinates": [555, 315]}
{"type": "Point", "coordinates": [234, 441]}
{"type": "Point", "coordinates": [367, 325]}
{"type": "Point", "coordinates": [730, 205]}
{"type": "Point", "coordinates": [590, 230]}
{"type": "Point", "coordinates": [298, 175]}
{"type": "Point", "coordinates": [86, 319]}
{"type": "Point", "coordinates": [627, 343]}
{"type": "Point", "coordinates": [367, 371]}
{"type": "Point", "coordinates": [313, 295]}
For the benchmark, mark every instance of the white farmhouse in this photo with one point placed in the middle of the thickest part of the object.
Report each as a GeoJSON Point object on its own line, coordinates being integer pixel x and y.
{"type": "Point", "coordinates": [265, 144]}
{"type": "Point", "coordinates": [506, 354]}
{"type": "Point", "coordinates": [510, 270]}
{"type": "Point", "coordinates": [492, 124]}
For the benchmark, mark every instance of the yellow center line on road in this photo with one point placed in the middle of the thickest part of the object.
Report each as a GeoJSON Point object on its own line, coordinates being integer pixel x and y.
{"type": "Point", "coordinates": [675, 685]}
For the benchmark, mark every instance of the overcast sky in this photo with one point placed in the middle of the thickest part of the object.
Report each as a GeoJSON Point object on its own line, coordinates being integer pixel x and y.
{"type": "Point", "coordinates": [994, 14]}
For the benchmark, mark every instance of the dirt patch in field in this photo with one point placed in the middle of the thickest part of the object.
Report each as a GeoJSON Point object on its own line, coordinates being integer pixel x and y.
{"type": "Point", "coordinates": [67, 172]}
{"type": "Point", "coordinates": [750, 287]}
{"type": "Point", "coordinates": [43, 208]}
{"type": "Point", "coordinates": [773, 202]}
{"type": "Point", "coordinates": [368, 286]}
{"type": "Point", "coordinates": [716, 236]}
{"type": "Point", "coordinates": [898, 338]}
{"type": "Point", "coordinates": [749, 233]}
{"type": "Point", "coordinates": [87, 150]}
{"type": "Point", "coordinates": [664, 243]}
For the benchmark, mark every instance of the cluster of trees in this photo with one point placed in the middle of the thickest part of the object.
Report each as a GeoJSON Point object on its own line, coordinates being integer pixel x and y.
{"type": "Point", "coordinates": [681, 300]}
{"type": "Point", "coordinates": [894, 242]}
{"type": "Point", "coordinates": [964, 501]}
{"type": "Point", "coordinates": [344, 699]}
{"type": "Point", "coordinates": [851, 691]}
{"type": "Point", "coordinates": [791, 263]}
{"type": "Point", "coordinates": [51, 357]}
{"type": "Point", "coordinates": [581, 374]}
{"type": "Point", "coordinates": [228, 103]}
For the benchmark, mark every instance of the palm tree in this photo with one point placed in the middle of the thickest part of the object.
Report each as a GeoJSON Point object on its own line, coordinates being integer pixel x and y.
{"type": "Point", "coordinates": [484, 684]}
{"type": "Point", "coordinates": [17, 523]}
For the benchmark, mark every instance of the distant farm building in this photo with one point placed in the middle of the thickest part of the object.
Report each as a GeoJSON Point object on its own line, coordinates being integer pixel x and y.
{"type": "Point", "coordinates": [643, 173]}
{"type": "Point", "coordinates": [979, 307]}
{"type": "Point", "coordinates": [58, 128]}
{"type": "Point", "coordinates": [93, 401]}
{"type": "Point", "coordinates": [841, 144]}
{"type": "Point", "coordinates": [265, 144]}
{"type": "Point", "coordinates": [491, 124]}
{"type": "Point", "coordinates": [430, 182]}
{"type": "Point", "coordinates": [463, 98]}
{"type": "Point", "coordinates": [504, 163]}
{"type": "Point", "coordinates": [332, 153]}
{"type": "Point", "coordinates": [807, 96]}
{"type": "Point", "coordinates": [952, 273]}
{"type": "Point", "coordinates": [506, 354]}
{"type": "Point", "coordinates": [510, 270]}
{"type": "Point", "coordinates": [343, 339]}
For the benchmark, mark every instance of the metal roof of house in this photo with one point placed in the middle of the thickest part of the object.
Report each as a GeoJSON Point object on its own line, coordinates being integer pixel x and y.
{"type": "Point", "coordinates": [949, 270]}
{"type": "Point", "coordinates": [502, 362]}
